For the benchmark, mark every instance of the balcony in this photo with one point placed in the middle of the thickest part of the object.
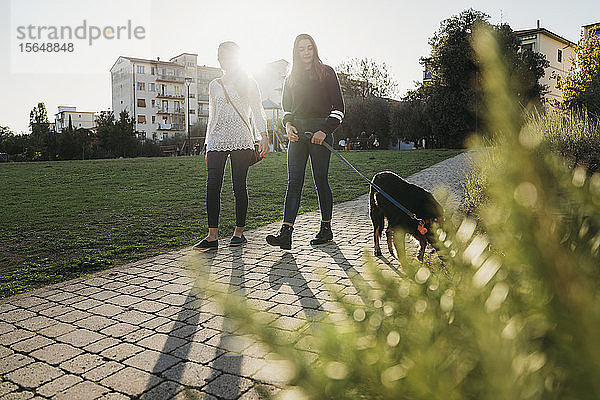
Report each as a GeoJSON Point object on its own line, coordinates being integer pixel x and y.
{"type": "Point", "coordinates": [169, 78]}
{"type": "Point", "coordinates": [170, 96]}
{"type": "Point", "coordinates": [162, 110]}
{"type": "Point", "coordinates": [170, 127]}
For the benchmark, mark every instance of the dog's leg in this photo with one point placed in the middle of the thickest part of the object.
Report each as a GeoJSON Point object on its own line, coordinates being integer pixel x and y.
{"type": "Point", "coordinates": [378, 224]}
{"type": "Point", "coordinates": [423, 243]}
{"type": "Point", "coordinates": [376, 237]}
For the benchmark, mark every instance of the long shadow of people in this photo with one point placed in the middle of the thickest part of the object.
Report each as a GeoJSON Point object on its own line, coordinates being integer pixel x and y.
{"type": "Point", "coordinates": [227, 367]}
{"type": "Point", "coordinates": [361, 285]}
{"type": "Point", "coordinates": [286, 271]}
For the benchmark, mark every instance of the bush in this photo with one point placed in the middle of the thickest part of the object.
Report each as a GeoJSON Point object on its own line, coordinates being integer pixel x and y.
{"type": "Point", "coordinates": [516, 315]}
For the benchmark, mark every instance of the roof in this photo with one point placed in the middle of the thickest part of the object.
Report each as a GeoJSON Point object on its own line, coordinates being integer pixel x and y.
{"type": "Point", "coordinates": [146, 60]}
{"type": "Point", "coordinates": [594, 24]}
{"type": "Point", "coordinates": [544, 31]}
{"type": "Point", "coordinates": [185, 54]}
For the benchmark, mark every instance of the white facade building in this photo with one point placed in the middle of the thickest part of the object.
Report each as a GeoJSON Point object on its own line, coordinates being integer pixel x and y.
{"type": "Point", "coordinates": [77, 119]}
{"type": "Point", "coordinates": [158, 94]}
{"type": "Point", "coordinates": [558, 52]}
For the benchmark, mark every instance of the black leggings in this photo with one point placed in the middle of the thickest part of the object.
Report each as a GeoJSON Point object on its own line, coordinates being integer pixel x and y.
{"type": "Point", "coordinates": [298, 153]}
{"type": "Point", "coordinates": [215, 165]}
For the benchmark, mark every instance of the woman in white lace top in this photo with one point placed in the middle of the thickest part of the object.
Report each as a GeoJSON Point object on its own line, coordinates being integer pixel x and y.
{"type": "Point", "coordinates": [234, 106]}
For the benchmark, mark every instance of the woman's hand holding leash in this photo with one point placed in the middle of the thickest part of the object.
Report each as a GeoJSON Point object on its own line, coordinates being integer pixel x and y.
{"type": "Point", "coordinates": [263, 146]}
{"type": "Point", "coordinates": [291, 131]}
{"type": "Point", "coordinates": [318, 137]}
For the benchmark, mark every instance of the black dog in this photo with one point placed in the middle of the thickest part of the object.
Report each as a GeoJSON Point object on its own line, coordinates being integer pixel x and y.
{"type": "Point", "coordinates": [415, 199]}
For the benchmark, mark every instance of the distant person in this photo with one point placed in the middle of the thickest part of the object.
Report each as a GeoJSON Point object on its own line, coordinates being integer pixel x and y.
{"type": "Point", "coordinates": [232, 99]}
{"type": "Point", "coordinates": [312, 102]}
{"type": "Point", "coordinates": [347, 144]}
{"type": "Point", "coordinates": [342, 143]}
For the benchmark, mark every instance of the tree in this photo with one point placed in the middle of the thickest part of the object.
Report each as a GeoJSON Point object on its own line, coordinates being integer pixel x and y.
{"type": "Point", "coordinates": [365, 78]}
{"type": "Point", "coordinates": [581, 86]}
{"type": "Point", "coordinates": [116, 138]}
{"type": "Point", "coordinates": [453, 99]}
{"type": "Point", "coordinates": [43, 143]}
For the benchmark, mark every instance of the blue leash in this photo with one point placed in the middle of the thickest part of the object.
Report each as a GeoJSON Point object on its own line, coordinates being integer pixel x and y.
{"type": "Point", "coordinates": [374, 186]}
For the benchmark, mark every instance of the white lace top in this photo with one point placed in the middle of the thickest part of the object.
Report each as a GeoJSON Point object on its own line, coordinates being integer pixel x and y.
{"type": "Point", "coordinates": [225, 129]}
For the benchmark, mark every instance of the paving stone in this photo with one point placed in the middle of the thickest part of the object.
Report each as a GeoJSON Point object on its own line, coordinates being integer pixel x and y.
{"type": "Point", "coordinates": [31, 344]}
{"type": "Point", "coordinates": [34, 375]}
{"type": "Point", "coordinates": [124, 300]}
{"type": "Point", "coordinates": [162, 342]}
{"type": "Point", "coordinates": [107, 310]}
{"type": "Point", "coordinates": [57, 329]}
{"type": "Point", "coordinates": [134, 317]}
{"type": "Point", "coordinates": [227, 386]}
{"type": "Point", "coordinates": [190, 373]}
{"type": "Point", "coordinates": [56, 310]}
{"type": "Point", "coordinates": [152, 361]}
{"type": "Point", "coordinates": [5, 351]}
{"type": "Point", "coordinates": [15, 336]}
{"type": "Point", "coordinates": [166, 390]}
{"type": "Point", "coordinates": [82, 363]}
{"type": "Point", "coordinates": [6, 327]}
{"type": "Point", "coordinates": [36, 323]}
{"type": "Point", "coordinates": [58, 385]}
{"type": "Point", "coordinates": [80, 337]}
{"type": "Point", "coordinates": [95, 322]}
{"type": "Point", "coordinates": [121, 351]}
{"type": "Point", "coordinates": [131, 381]}
{"type": "Point", "coordinates": [82, 391]}
{"type": "Point", "coordinates": [197, 352]}
{"type": "Point", "coordinates": [115, 396]}
{"type": "Point", "coordinates": [7, 387]}
{"type": "Point", "coordinates": [87, 304]}
{"type": "Point", "coordinates": [101, 345]}
{"type": "Point", "coordinates": [72, 316]}
{"type": "Point", "coordinates": [22, 395]}
{"type": "Point", "coordinates": [13, 361]}
{"type": "Point", "coordinates": [118, 330]}
{"type": "Point", "coordinates": [56, 353]}
{"type": "Point", "coordinates": [16, 315]}
{"type": "Point", "coordinates": [102, 371]}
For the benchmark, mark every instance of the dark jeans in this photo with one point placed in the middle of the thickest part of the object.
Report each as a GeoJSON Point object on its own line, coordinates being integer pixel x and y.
{"type": "Point", "coordinates": [215, 165]}
{"type": "Point", "coordinates": [297, 155]}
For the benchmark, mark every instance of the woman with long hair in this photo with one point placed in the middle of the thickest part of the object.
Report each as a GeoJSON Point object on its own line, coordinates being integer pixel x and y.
{"type": "Point", "coordinates": [232, 100]}
{"type": "Point", "coordinates": [312, 102]}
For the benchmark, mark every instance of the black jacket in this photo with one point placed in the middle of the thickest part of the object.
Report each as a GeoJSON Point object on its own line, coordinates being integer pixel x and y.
{"type": "Point", "coordinates": [314, 99]}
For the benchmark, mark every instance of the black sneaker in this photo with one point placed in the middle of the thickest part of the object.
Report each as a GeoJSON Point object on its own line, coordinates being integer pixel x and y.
{"type": "Point", "coordinates": [325, 234]}
{"type": "Point", "coordinates": [284, 239]}
{"type": "Point", "coordinates": [238, 240]}
{"type": "Point", "coordinates": [206, 245]}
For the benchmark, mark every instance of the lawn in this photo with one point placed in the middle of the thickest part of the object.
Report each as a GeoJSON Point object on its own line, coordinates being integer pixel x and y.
{"type": "Point", "coordinates": [60, 220]}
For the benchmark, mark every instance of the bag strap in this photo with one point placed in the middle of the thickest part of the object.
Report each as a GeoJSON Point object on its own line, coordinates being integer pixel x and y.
{"type": "Point", "coordinates": [233, 105]}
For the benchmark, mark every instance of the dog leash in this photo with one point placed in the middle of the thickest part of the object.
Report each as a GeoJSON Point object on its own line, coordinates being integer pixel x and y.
{"type": "Point", "coordinates": [421, 222]}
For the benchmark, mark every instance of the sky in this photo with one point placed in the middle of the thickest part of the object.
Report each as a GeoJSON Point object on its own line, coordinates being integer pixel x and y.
{"type": "Point", "coordinates": [392, 31]}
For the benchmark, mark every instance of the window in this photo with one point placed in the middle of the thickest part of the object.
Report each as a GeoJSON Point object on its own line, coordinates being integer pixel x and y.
{"type": "Point", "coordinates": [141, 119]}
{"type": "Point", "coordinates": [192, 96]}
{"type": "Point", "coordinates": [141, 103]}
{"type": "Point", "coordinates": [164, 136]}
{"type": "Point", "coordinates": [528, 46]}
{"type": "Point", "coordinates": [152, 87]}
{"type": "Point", "coordinates": [153, 70]}
{"type": "Point", "coordinates": [140, 69]}
{"type": "Point", "coordinates": [141, 86]}
{"type": "Point", "coordinates": [154, 119]}
{"type": "Point", "coordinates": [142, 135]}
{"type": "Point", "coordinates": [176, 106]}
{"type": "Point", "coordinates": [153, 103]}
{"type": "Point", "coordinates": [153, 135]}
{"type": "Point", "coordinates": [559, 55]}
{"type": "Point", "coordinates": [192, 111]}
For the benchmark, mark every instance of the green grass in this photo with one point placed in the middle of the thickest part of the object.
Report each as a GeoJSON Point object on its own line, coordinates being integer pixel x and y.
{"type": "Point", "coordinates": [59, 220]}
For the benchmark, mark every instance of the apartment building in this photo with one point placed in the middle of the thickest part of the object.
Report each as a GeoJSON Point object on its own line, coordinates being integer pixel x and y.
{"type": "Point", "coordinates": [157, 94]}
{"type": "Point", "coordinates": [558, 52]}
{"type": "Point", "coordinates": [77, 119]}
